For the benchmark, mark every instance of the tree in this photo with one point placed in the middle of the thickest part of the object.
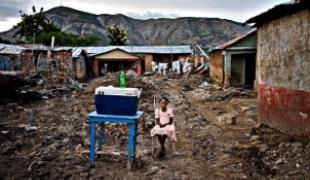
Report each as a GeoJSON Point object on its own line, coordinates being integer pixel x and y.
{"type": "Point", "coordinates": [66, 39]}
{"type": "Point", "coordinates": [4, 41]}
{"type": "Point", "coordinates": [36, 28]}
{"type": "Point", "coordinates": [34, 25]}
{"type": "Point", "coordinates": [117, 35]}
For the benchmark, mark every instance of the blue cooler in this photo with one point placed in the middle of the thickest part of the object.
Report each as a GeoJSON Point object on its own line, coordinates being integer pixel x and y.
{"type": "Point", "coordinates": [117, 101]}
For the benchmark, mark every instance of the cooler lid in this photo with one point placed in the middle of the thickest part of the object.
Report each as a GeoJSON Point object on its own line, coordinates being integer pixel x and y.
{"type": "Point", "coordinates": [118, 91]}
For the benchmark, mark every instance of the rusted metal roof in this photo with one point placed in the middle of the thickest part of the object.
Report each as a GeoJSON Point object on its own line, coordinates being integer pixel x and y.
{"type": "Point", "coordinates": [35, 47]}
{"type": "Point", "coordinates": [14, 49]}
{"type": "Point", "coordinates": [41, 47]}
{"type": "Point", "coordinates": [233, 41]}
{"type": "Point", "coordinates": [279, 11]}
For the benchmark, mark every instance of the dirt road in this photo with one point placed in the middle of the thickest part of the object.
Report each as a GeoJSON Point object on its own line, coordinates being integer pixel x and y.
{"type": "Point", "coordinates": [210, 146]}
{"type": "Point", "coordinates": [205, 144]}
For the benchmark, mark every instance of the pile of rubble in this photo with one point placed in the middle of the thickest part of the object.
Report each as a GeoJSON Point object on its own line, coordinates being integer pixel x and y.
{"type": "Point", "coordinates": [37, 87]}
{"type": "Point", "coordinates": [208, 92]}
{"type": "Point", "coordinates": [274, 155]}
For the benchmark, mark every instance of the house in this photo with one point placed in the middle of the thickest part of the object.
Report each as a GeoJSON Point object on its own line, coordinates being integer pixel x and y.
{"type": "Point", "coordinates": [10, 66]}
{"type": "Point", "coordinates": [10, 57]}
{"type": "Point", "coordinates": [59, 63]}
{"type": "Point", "coordinates": [115, 60]}
{"type": "Point", "coordinates": [82, 66]}
{"type": "Point", "coordinates": [233, 63]}
{"type": "Point", "coordinates": [139, 58]}
{"type": "Point", "coordinates": [283, 67]}
{"type": "Point", "coordinates": [55, 64]}
{"type": "Point", "coordinates": [163, 54]}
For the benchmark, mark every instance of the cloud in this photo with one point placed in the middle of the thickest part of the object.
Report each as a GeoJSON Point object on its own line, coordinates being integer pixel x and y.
{"type": "Point", "coordinates": [149, 15]}
{"type": "Point", "coordinates": [10, 8]}
{"type": "Point", "coordinates": [238, 10]}
{"type": "Point", "coordinates": [190, 5]}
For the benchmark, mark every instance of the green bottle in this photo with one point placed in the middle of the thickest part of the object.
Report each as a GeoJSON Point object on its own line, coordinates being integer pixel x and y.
{"type": "Point", "coordinates": [122, 80]}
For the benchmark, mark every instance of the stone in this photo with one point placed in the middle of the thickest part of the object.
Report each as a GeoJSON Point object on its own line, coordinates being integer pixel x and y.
{"type": "Point", "coordinates": [146, 152]}
{"type": "Point", "coordinates": [244, 108]}
{"type": "Point", "coordinates": [296, 146]}
{"type": "Point", "coordinates": [279, 161]}
{"type": "Point", "coordinates": [227, 119]}
{"type": "Point", "coordinates": [231, 120]}
{"type": "Point", "coordinates": [254, 138]}
{"type": "Point", "coordinates": [263, 148]}
{"type": "Point", "coordinates": [66, 140]}
{"type": "Point", "coordinates": [153, 170]}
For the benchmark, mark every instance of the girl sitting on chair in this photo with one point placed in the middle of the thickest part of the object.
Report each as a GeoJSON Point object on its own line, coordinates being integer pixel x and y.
{"type": "Point", "coordinates": [164, 125]}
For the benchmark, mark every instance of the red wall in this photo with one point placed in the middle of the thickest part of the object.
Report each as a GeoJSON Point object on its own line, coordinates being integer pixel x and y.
{"type": "Point", "coordinates": [287, 109]}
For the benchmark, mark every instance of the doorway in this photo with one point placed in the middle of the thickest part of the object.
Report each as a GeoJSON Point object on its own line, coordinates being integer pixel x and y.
{"type": "Point", "coordinates": [243, 70]}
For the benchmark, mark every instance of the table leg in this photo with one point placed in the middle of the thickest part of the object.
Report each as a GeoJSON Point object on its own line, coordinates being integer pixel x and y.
{"type": "Point", "coordinates": [92, 150]}
{"type": "Point", "coordinates": [132, 144]}
{"type": "Point", "coordinates": [101, 136]}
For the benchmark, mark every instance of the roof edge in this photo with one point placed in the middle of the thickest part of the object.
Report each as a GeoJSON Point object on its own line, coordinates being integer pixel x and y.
{"type": "Point", "coordinates": [279, 11]}
{"type": "Point", "coordinates": [115, 50]}
{"type": "Point", "coordinates": [233, 41]}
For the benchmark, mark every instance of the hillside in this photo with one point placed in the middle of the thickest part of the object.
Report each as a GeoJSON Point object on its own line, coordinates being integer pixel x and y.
{"type": "Point", "coordinates": [208, 32]}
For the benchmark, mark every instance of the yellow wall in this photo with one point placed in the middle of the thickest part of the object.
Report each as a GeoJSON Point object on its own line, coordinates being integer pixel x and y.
{"type": "Point", "coordinates": [116, 54]}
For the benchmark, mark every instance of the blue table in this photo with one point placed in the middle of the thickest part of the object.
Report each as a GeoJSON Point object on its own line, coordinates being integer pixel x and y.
{"type": "Point", "coordinates": [95, 118]}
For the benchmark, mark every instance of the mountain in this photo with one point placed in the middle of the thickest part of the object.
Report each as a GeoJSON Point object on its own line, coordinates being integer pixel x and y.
{"type": "Point", "coordinates": [208, 32]}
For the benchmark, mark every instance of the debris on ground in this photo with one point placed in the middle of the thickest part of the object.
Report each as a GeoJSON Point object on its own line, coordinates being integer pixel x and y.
{"type": "Point", "coordinates": [219, 136]}
{"type": "Point", "coordinates": [213, 93]}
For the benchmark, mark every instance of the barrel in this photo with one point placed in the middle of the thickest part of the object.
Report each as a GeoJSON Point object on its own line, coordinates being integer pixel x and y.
{"type": "Point", "coordinates": [5, 63]}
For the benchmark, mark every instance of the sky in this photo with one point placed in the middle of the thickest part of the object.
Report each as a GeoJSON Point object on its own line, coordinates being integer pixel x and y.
{"type": "Point", "coordinates": [237, 10]}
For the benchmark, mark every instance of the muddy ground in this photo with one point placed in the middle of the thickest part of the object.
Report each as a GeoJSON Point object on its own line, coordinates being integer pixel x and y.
{"type": "Point", "coordinates": [49, 139]}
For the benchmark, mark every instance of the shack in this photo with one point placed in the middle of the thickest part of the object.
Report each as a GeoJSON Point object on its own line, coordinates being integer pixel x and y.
{"type": "Point", "coordinates": [10, 57]}
{"type": "Point", "coordinates": [163, 54]}
{"type": "Point", "coordinates": [116, 60]}
{"type": "Point", "coordinates": [54, 64]}
{"type": "Point", "coordinates": [233, 63]}
{"type": "Point", "coordinates": [10, 67]}
{"type": "Point", "coordinates": [283, 67]}
{"type": "Point", "coordinates": [81, 64]}
{"type": "Point", "coordinates": [138, 58]}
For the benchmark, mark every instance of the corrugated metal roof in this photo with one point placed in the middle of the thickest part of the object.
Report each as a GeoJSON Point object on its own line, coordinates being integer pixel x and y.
{"type": "Point", "coordinates": [186, 49]}
{"type": "Point", "coordinates": [233, 41]}
{"type": "Point", "coordinates": [33, 47]}
{"type": "Point", "coordinates": [10, 49]}
{"type": "Point", "coordinates": [62, 48]}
